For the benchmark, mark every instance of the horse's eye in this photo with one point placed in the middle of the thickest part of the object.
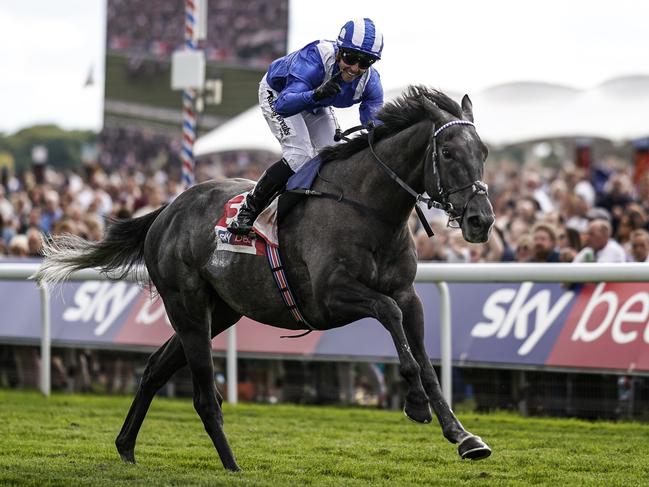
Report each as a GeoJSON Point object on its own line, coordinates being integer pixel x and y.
{"type": "Point", "coordinates": [446, 153]}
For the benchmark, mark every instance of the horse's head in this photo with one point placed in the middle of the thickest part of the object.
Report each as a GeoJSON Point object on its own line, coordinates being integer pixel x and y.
{"type": "Point", "coordinates": [454, 170]}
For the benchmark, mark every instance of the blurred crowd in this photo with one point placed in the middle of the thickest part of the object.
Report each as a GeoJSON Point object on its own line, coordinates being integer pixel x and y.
{"type": "Point", "coordinates": [543, 214]}
{"type": "Point", "coordinates": [564, 214]}
{"type": "Point", "coordinates": [136, 172]}
{"type": "Point", "coordinates": [253, 32]}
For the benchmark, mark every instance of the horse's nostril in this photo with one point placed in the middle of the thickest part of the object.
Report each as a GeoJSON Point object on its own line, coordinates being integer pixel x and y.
{"type": "Point", "coordinates": [475, 221]}
{"type": "Point", "coordinates": [479, 222]}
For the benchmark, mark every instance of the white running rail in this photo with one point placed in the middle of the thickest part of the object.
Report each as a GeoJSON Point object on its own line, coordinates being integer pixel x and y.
{"type": "Point", "coordinates": [439, 274]}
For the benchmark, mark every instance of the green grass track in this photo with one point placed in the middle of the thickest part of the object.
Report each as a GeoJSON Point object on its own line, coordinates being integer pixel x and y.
{"type": "Point", "coordinates": [67, 440]}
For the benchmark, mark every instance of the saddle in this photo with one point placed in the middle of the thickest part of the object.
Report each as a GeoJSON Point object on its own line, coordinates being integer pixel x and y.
{"type": "Point", "coordinates": [297, 187]}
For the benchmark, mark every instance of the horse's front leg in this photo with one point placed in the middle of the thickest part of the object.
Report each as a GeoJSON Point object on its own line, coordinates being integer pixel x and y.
{"type": "Point", "coordinates": [469, 445]}
{"type": "Point", "coordinates": [350, 297]}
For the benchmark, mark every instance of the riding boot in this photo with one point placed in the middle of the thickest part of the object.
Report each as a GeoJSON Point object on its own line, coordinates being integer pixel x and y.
{"type": "Point", "coordinates": [272, 181]}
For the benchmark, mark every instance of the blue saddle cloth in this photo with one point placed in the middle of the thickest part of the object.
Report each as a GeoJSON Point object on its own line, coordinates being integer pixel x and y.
{"type": "Point", "coordinates": [302, 179]}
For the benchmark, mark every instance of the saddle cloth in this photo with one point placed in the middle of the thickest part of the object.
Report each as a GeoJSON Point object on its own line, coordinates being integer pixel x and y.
{"type": "Point", "coordinates": [225, 240]}
{"type": "Point", "coordinates": [266, 224]}
{"type": "Point", "coordinates": [265, 242]}
{"type": "Point", "coordinates": [304, 177]}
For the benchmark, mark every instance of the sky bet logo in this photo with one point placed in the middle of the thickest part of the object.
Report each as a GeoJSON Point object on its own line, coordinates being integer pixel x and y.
{"type": "Point", "coordinates": [515, 312]}
{"type": "Point", "coordinates": [605, 325]}
{"type": "Point", "coordinates": [100, 303]}
{"type": "Point", "coordinates": [608, 327]}
{"type": "Point", "coordinates": [623, 318]}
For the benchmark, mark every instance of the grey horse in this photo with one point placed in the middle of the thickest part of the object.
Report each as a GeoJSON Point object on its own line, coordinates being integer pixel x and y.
{"type": "Point", "coordinates": [347, 258]}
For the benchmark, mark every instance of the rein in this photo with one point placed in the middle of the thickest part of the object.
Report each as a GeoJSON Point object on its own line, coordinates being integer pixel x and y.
{"type": "Point", "coordinates": [418, 197]}
{"type": "Point", "coordinates": [479, 187]}
{"type": "Point", "coordinates": [442, 201]}
{"type": "Point", "coordinates": [340, 135]}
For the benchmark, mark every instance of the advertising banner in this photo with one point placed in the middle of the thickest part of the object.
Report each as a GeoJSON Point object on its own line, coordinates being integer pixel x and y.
{"type": "Point", "coordinates": [592, 326]}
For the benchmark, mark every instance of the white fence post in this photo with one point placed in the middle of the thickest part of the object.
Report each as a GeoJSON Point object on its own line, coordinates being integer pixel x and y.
{"type": "Point", "coordinates": [445, 342]}
{"type": "Point", "coordinates": [231, 365]}
{"type": "Point", "coordinates": [46, 342]}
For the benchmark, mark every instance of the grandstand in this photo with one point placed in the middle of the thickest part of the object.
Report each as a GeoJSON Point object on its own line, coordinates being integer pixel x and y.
{"type": "Point", "coordinates": [141, 36]}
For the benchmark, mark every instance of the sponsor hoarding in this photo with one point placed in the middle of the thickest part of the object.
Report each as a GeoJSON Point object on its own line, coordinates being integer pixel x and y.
{"type": "Point", "coordinates": [594, 326]}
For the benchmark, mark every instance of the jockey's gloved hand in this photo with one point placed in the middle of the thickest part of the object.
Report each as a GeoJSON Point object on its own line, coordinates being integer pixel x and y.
{"type": "Point", "coordinates": [327, 89]}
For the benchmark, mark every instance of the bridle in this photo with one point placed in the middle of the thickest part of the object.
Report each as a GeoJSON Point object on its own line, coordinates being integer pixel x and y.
{"type": "Point", "coordinates": [478, 187]}
{"type": "Point", "coordinates": [440, 201]}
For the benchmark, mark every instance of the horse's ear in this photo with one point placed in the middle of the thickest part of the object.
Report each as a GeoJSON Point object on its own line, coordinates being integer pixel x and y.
{"type": "Point", "coordinates": [467, 108]}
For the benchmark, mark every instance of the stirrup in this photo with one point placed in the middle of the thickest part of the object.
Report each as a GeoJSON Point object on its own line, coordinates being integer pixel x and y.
{"type": "Point", "coordinates": [241, 228]}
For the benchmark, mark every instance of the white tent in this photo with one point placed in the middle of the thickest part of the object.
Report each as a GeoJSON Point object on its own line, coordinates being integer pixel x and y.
{"type": "Point", "coordinates": [249, 131]}
{"type": "Point", "coordinates": [617, 109]}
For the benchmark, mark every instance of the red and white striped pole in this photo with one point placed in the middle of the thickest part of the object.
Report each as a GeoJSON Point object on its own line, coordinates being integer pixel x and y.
{"type": "Point", "coordinates": [189, 99]}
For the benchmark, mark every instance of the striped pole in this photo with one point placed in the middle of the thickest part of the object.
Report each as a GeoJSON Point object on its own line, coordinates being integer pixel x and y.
{"type": "Point", "coordinates": [189, 101]}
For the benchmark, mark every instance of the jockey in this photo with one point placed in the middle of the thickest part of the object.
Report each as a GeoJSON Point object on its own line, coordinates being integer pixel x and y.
{"type": "Point", "coordinates": [297, 95]}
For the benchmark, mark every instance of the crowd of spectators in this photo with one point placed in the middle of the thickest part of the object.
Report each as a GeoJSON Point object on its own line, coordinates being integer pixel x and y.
{"type": "Point", "coordinates": [542, 214]}
{"type": "Point", "coordinates": [553, 215]}
{"type": "Point", "coordinates": [136, 171]}
{"type": "Point", "coordinates": [253, 32]}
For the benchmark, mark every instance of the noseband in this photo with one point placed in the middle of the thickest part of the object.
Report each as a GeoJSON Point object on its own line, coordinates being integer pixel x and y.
{"type": "Point", "coordinates": [441, 201]}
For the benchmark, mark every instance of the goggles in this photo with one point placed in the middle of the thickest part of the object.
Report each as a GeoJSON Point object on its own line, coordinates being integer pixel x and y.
{"type": "Point", "coordinates": [351, 58]}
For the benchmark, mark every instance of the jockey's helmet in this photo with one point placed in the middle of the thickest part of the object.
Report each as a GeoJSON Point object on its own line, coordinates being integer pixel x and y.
{"type": "Point", "coordinates": [361, 35]}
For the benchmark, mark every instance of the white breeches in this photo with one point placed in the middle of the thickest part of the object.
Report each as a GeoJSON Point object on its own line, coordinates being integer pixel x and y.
{"type": "Point", "coordinates": [301, 136]}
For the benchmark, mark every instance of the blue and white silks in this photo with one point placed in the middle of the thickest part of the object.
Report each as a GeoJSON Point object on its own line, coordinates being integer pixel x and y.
{"type": "Point", "coordinates": [297, 74]}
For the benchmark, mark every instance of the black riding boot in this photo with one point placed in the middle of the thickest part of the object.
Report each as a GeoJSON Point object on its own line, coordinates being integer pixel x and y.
{"type": "Point", "coordinates": [273, 180]}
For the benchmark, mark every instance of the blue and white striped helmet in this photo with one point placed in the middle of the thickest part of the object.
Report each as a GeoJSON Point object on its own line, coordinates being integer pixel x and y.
{"type": "Point", "coordinates": [361, 35]}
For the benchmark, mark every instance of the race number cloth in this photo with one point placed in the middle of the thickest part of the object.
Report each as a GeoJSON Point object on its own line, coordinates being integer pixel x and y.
{"type": "Point", "coordinates": [265, 228]}
{"type": "Point", "coordinates": [267, 244]}
{"type": "Point", "coordinates": [225, 240]}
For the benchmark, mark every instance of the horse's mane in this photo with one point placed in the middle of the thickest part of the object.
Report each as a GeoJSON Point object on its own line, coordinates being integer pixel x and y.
{"type": "Point", "coordinates": [408, 109]}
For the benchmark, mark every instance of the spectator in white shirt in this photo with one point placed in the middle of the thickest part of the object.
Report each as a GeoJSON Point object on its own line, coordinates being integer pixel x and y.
{"type": "Point", "coordinates": [639, 246]}
{"type": "Point", "coordinates": [600, 247]}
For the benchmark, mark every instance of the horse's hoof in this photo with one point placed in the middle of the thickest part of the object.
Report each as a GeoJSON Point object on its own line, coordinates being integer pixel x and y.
{"type": "Point", "coordinates": [473, 448]}
{"type": "Point", "coordinates": [418, 413]}
{"type": "Point", "coordinates": [127, 454]}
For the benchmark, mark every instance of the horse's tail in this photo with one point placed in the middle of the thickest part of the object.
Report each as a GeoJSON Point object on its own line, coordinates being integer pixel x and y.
{"type": "Point", "coordinates": [116, 255]}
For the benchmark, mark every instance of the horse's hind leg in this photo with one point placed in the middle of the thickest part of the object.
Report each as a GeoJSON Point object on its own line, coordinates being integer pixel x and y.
{"type": "Point", "coordinates": [189, 316]}
{"type": "Point", "coordinates": [470, 445]}
{"type": "Point", "coordinates": [169, 358]}
{"type": "Point", "coordinates": [159, 369]}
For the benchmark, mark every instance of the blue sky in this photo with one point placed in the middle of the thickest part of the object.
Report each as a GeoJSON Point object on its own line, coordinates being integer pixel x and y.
{"type": "Point", "coordinates": [47, 47]}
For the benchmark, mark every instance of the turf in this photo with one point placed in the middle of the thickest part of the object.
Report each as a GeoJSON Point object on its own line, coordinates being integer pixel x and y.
{"type": "Point", "coordinates": [68, 440]}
